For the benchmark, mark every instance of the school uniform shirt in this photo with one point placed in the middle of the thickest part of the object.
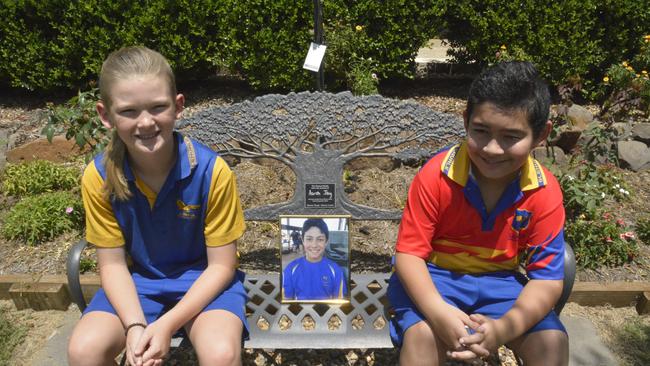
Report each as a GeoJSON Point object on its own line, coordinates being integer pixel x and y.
{"type": "Point", "coordinates": [166, 234]}
{"type": "Point", "coordinates": [305, 280]}
{"type": "Point", "coordinates": [446, 223]}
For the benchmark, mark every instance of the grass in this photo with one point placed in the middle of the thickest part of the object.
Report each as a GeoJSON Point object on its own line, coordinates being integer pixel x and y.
{"type": "Point", "coordinates": [10, 336]}
{"type": "Point", "coordinates": [633, 338]}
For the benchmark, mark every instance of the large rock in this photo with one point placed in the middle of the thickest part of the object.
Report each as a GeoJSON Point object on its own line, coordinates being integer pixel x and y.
{"type": "Point", "coordinates": [567, 138]}
{"type": "Point", "coordinates": [550, 155]}
{"type": "Point", "coordinates": [635, 154]}
{"type": "Point", "coordinates": [579, 117]}
{"type": "Point", "coordinates": [641, 132]}
{"type": "Point", "coordinates": [60, 150]}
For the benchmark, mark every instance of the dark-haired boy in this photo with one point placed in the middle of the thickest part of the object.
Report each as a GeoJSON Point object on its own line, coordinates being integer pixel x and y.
{"type": "Point", "coordinates": [314, 276]}
{"type": "Point", "coordinates": [474, 212]}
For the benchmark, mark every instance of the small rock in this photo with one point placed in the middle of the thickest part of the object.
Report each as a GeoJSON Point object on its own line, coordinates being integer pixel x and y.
{"type": "Point", "coordinates": [13, 141]}
{"type": "Point", "coordinates": [3, 148]}
{"type": "Point", "coordinates": [634, 153]}
{"type": "Point", "coordinates": [579, 117]}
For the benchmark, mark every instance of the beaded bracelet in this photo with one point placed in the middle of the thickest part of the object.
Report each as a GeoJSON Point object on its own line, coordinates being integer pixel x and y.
{"type": "Point", "coordinates": [126, 331]}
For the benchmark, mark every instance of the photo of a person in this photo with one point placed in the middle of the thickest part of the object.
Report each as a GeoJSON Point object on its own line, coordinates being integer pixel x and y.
{"type": "Point", "coordinates": [296, 240]}
{"type": "Point", "coordinates": [314, 276]}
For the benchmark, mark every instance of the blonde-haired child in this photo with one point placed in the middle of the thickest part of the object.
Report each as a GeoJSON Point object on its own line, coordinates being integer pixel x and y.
{"type": "Point", "coordinates": [171, 205]}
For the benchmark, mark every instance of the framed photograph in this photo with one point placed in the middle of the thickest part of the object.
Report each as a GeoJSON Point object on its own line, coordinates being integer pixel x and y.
{"type": "Point", "coordinates": [315, 253]}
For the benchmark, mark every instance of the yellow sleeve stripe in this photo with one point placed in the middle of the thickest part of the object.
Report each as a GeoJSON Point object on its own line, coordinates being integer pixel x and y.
{"type": "Point", "coordinates": [224, 219]}
{"type": "Point", "coordinates": [102, 228]}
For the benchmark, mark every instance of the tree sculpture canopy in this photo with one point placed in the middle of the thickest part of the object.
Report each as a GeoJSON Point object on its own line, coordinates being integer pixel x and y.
{"type": "Point", "coordinates": [316, 134]}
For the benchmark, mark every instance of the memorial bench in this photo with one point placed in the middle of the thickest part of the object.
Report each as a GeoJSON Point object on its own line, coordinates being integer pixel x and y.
{"type": "Point", "coordinates": [316, 134]}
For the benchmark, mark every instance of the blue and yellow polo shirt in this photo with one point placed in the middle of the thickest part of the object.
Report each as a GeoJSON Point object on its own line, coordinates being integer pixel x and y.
{"type": "Point", "coordinates": [445, 220]}
{"type": "Point", "coordinates": [166, 234]}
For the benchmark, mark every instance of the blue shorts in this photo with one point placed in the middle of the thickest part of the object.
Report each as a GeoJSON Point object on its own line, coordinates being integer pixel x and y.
{"type": "Point", "coordinates": [491, 294]}
{"type": "Point", "coordinates": [157, 296]}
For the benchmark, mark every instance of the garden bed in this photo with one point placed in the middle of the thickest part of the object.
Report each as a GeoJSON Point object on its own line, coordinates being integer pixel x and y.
{"type": "Point", "coordinates": [372, 242]}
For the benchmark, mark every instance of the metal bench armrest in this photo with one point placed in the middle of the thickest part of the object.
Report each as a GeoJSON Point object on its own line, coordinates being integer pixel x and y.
{"type": "Point", "coordinates": [569, 277]}
{"type": "Point", "coordinates": [72, 269]}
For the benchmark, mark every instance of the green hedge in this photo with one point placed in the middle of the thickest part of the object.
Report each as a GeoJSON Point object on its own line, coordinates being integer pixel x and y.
{"type": "Point", "coordinates": [564, 38]}
{"type": "Point", "coordinates": [49, 44]}
{"type": "Point", "coordinates": [53, 43]}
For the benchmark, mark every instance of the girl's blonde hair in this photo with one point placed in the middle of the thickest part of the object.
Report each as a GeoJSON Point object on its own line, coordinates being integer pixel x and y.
{"type": "Point", "coordinates": [123, 64]}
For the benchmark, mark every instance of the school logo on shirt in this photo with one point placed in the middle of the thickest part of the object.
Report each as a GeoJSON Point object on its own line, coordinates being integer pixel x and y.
{"type": "Point", "coordinates": [188, 212]}
{"type": "Point", "coordinates": [521, 220]}
{"type": "Point", "coordinates": [326, 280]}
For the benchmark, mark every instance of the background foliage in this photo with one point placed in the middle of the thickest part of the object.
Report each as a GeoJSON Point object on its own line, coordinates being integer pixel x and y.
{"type": "Point", "coordinates": [38, 177]}
{"type": "Point", "coordinates": [49, 202]}
{"type": "Point", "coordinates": [53, 44]}
{"type": "Point", "coordinates": [43, 217]}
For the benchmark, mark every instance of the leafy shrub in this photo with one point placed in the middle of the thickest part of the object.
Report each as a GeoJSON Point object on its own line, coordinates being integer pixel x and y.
{"type": "Point", "coordinates": [603, 241]}
{"type": "Point", "coordinates": [42, 217]}
{"type": "Point", "coordinates": [626, 85]}
{"type": "Point", "coordinates": [78, 118]}
{"type": "Point", "coordinates": [643, 229]}
{"type": "Point", "coordinates": [558, 36]}
{"type": "Point", "coordinates": [87, 265]}
{"type": "Point", "coordinates": [10, 336]}
{"type": "Point", "coordinates": [361, 79]}
{"type": "Point", "coordinates": [50, 44]}
{"type": "Point", "coordinates": [600, 143]}
{"type": "Point", "coordinates": [267, 42]}
{"type": "Point", "coordinates": [38, 176]}
{"type": "Point", "coordinates": [586, 188]}
{"type": "Point", "coordinates": [396, 29]}
{"type": "Point", "coordinates": [569, 41]}
{"type": "Point", "coordinates": [598, 238]}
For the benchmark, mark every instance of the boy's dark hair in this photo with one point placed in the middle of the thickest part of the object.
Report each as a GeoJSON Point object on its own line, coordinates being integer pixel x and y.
{"type": "Point", "coordinates": [319, 223]}
{"type": "Point", "coordinates": [513, 85]}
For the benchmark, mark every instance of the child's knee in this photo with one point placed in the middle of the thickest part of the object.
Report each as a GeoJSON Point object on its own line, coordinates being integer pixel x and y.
{"type": "Point", "coordinates": [96, 339]}
{"type": "Point", "coordinates": [220, 353]}
{"type": "Point", "coordinates": [420, 346]}
{"type": "Point", "coordinates": [553, 340]}
{"type": "Point", "coordinates": [420, 335]}
{"type": "Point", "coordinates": [91, 349]}
{"type": "Point", "coordinates": [549, 345]}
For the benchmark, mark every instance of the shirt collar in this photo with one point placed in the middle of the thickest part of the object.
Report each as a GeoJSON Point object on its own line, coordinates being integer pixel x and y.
{"type": "Point", "coordinates": [456, 165]}
{"type": "Point", "coordinates": [184, 165]}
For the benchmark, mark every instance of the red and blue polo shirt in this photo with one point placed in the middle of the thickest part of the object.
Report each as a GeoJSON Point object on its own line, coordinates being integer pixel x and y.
{"type": "Point", "coordinates": [446, 223]}
{"type": "Point", "coordinates": [166, 234]}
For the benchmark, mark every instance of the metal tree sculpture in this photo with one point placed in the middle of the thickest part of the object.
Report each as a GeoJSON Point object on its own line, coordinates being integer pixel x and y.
{"type": "Point", "coordinates": [316, 134]}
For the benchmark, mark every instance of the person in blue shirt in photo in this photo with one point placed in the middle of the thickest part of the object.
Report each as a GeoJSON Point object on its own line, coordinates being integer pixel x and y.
{"type": "Point", "coordinates": [314, 276]}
